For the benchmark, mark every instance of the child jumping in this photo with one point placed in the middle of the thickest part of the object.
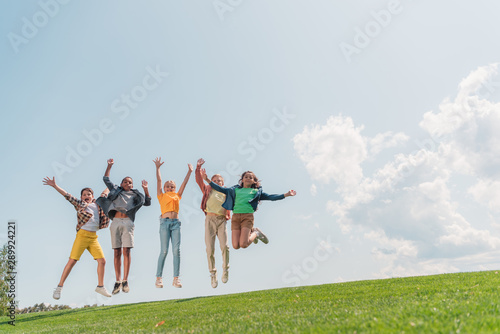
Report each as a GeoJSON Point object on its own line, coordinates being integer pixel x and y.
{"type": "Point", "coordinates": [170, 225]}
{"type": "Point", "coordinates": [216, 218]}
{"type": "Point", "coordinates": [121, 206]}
{"type": "Point", "coordinates": [243, 199]}
{"type": "Point", "coordinates": [90, 219]}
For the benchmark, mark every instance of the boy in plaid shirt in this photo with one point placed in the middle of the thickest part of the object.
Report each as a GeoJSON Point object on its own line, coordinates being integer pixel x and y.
{"type": "Point", "coordinates": [90, 219]}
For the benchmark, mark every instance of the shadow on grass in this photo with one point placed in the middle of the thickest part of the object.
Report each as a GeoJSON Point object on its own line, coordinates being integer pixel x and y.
{"type": "Point", "coordinates": [36, 316]}
{"type": "Point", "coordinates": [27, 317]}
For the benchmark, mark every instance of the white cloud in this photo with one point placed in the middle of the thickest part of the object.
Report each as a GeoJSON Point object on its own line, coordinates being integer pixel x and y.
{"type": "Point", "coordinates": [488, 193]}
{"type": "Point", "coordinates": [411, 204]}
{"type": "Point", "coordinates": [332, 151]}
{"type": "Point", "coordinates": [314, 190]}
{"type": "Point", "coordinates": [386, 140]}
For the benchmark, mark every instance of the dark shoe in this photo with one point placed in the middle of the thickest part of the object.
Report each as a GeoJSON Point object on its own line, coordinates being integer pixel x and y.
{"type": "Point", "coordinates": [117, 287]}
{"type": "Point", "coordinates": [125, 287]}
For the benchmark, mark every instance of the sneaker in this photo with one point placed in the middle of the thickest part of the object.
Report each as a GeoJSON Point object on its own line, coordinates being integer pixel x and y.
{"type": "Point", "coordinates": [102, 290]}
{"type": "Point", "coordinates": [261, 236]}
{"type": "Point", "coordinates": [256, 240]}
{"type": "Point", "coordinates": [159, 282]}
{"type": "Point", "coordinates": [117, 287]}
{"type": "Point", "coordinates": [125, 287]}
{"type": "Point", "coordinates": [225, 276]}
{"type": "Point", "coordinates": [213, 280]}
{"type": "Point", "coordinates": [177, 282]}
{"type": "Point", "coordinates": [57, 292]}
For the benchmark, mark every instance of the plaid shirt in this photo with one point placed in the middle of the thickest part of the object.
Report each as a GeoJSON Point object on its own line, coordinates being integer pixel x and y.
{"type": "Point", "coordinates": [83, 215]}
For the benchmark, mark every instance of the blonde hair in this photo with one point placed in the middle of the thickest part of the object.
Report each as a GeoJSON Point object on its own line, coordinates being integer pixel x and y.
{"type": "Point", "coordinates": [212, 178]}
{"type": "Point", "coordinates": [172, 181]}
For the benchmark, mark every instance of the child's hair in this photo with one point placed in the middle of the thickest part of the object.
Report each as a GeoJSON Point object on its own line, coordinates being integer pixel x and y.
{"type": "Point", "coordinates": [215, 176]}
{"type": "Point", "coordinates": [256, 179]}
{"type": "Point", "coordinates": [170, 181]}
{"type": "Point", "coordinates": [89, 189]}
{"type": "Point", "coordinates": [127, 177]}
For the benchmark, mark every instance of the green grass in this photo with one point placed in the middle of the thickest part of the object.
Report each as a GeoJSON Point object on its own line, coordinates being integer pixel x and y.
{"type": "Point", "coordinates": [451, 303]}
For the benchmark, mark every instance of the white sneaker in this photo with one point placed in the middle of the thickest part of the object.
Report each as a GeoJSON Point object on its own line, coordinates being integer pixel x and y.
{"type": "Point", "coordinates": [57, 292]}
{"type": "Point", "coordinates": [102, 290]}
{"type": "Point", "coordinates": [159, 282]}
{"type": "Point", "coordinates": [177, 282]}
{"type": "Point", "coordinates": [261, 236]}
{"type": "Point", "coordinates": [225, 276]}
{"type": "Point", "coordinates": [213, 280]}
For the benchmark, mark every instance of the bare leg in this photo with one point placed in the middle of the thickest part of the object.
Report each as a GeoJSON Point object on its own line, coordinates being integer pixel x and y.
{"type": "Point", "coordinates": [118, 263]}
{"type": "Point", "coordinates": [126, 262]}
{"type": "Point", "coordinates": [67, 269]}
{"type": "Point", "coordinates": [236, 238]}
{"type": "Point", "coordinates": [247, 237]}
{"type": "Point", "coordinates": [101, 263]}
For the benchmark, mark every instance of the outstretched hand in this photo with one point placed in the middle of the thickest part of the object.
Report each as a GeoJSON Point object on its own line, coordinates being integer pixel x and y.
{"type": "Point", "coordinates": [158, 162]}
{"type": "Point", "coordinates": [204, 175]}
{"type": "Point", "coordinates": [190, 167]}
{"type": "Point", "coordinates": [200, 162]}
{"type": "Point", "coordinates": [144, 184]}
{"type": "Point", "coordinates": [291, 193]}
{"type": "Point", "coordinates": [49, 182]}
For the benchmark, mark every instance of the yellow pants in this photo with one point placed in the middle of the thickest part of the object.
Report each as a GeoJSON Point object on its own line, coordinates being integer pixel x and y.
{"type": "Point", "coordinates": [86, 240]}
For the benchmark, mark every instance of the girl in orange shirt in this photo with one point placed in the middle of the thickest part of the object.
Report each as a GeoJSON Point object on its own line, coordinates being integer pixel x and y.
{"type": "Point", "coordinates": [170, 225]}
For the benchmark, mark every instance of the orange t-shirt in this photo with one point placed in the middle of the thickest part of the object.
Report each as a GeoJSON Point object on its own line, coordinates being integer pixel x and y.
{"type": "Point", "coordinates": [169, 202]}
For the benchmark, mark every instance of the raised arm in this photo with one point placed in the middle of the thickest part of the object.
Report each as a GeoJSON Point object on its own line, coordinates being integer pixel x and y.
{"type": "Point", "coordinates": [147, 201]}
{"type": "Point", "coordinates": [108, 169]}
{"type": "Point", "coordinates": [186, 179]}
{"type": "Point", "coordinates": [105, 178]}
{"type": "Point", "coordinates": [214, 185]}
{"type": "Point", "coordinates": [104, 193]}
{"type": "Point", "coordinates": [52, 182]}
{"type": "Point", "coordinates": [197, 174]}
{"type": "Point", "coordinates": [158, 164]}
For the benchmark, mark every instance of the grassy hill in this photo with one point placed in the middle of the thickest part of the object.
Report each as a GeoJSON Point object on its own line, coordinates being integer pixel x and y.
{"type": "Point", "coordinates": [450, 303]}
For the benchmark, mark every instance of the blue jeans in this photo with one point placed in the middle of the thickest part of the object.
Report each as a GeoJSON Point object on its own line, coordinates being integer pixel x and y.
{"type": "Point", "coordinates": [169, 229]}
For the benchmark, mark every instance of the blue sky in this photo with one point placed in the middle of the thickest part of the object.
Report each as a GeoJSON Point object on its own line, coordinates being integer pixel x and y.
{"type": "Point", "coordinates": [382, 115]}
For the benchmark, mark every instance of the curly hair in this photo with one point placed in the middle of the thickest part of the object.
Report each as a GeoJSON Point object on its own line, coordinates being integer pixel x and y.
{"type": "Point", "coordinates": [255, 178]}
{"type": "Point", "coordinates": [127, 177]}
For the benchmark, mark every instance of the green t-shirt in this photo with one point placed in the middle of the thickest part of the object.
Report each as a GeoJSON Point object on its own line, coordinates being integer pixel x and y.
{"type": "Point", "coordinates": [243, 196]}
